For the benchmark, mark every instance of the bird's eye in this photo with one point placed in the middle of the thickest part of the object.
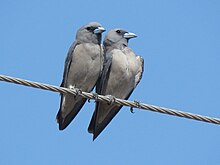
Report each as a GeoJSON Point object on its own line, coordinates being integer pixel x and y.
{"type": "Point", "coordinates": [88, 28]}
{"type": "Point", "coordinates": [118, 31]}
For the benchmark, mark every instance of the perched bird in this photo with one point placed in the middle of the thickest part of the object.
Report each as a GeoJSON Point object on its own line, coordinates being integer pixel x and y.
{"type": "Point", "coordinates": [121, 73]}
{"type": "Point", "coordinates": [82, 69]}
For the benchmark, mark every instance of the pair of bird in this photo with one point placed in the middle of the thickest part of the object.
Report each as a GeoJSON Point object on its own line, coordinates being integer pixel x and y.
{"type": "Point", "coordinates": [112, 67]}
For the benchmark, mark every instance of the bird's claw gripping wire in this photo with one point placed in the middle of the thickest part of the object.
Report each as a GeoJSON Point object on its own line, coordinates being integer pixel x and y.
{"type": "Point", "coordinates": [78, 92]}
{"type": "Point", "coordinates": [111, 99]}
{"type": "Point", "coordinates": [131, 109]}
{"type": "Point", "coordinates": [137, 103]}
{"type": "Point", "coordinates": [94, 96]}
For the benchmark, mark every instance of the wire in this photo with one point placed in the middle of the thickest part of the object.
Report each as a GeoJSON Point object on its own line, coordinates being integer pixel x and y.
{"type": "Point", "coordinates": [94, 96]}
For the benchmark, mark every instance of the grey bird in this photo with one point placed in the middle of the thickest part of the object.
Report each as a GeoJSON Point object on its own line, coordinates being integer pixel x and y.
{"type": "Point", "coordinates": [121, 73]}
{"type": "Point", "coordinates": [83, 66]}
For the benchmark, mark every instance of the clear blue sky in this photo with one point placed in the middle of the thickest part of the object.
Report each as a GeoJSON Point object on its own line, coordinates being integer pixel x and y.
{"type": "Point", "coordinates": [180, 42]}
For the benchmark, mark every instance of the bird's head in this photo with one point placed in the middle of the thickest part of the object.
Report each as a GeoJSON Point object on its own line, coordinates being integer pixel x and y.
{"type": "Point", "coordinates": [90, 33]}
{"type": "Point", "coordinates": [118, 37]}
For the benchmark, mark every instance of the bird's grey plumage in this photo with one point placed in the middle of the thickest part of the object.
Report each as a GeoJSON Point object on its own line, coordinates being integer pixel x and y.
{"type": "Point", "coordinates": [121, 73]}
{"type": "Point", "coordinates": [82, 69]}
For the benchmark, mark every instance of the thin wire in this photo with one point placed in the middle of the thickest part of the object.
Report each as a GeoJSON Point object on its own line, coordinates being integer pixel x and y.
{"type": "Point", "coordinates": [94, 96]}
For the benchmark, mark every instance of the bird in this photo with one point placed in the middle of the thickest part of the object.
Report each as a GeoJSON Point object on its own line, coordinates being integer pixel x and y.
{"type": "Point", "coordinates": [83, 66]}
{"type": "Point", "coordinates": [122, 71]}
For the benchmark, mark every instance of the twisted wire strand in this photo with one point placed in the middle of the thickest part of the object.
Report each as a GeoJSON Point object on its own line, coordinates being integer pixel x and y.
{"type": "Point", "coordinates": [94, 96]}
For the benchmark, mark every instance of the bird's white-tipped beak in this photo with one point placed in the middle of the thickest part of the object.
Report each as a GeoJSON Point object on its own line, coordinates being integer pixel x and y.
{"type": "Point", "coordinates": [99, 30]}
{"type": "Point", "coordinates": [129, 35]}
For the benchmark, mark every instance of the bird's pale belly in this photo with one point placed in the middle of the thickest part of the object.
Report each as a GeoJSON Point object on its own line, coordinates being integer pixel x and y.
{"type": "Point", "coordinates": [120, 86]}
{"type": "Point", "coordinates": [85, 70]}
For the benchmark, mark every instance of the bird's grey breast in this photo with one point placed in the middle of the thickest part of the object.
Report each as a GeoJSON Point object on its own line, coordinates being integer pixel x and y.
{"type": "Point", "coordinates": [86, 66]}
{"type": "Point", "coordinates": [122, 75]}
{"type": "Point", "coordinates": [125, 62]}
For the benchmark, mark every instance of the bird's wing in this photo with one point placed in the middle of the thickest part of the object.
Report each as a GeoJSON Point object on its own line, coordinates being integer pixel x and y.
{"type": "Point", "coordinates": [68, 62]}
{"type": "Point", "coordinates": [64, 122]}
{"type": "Point", "coordinates": [138, 75]}
{"type": "Point", "coordinates": [101, 86]}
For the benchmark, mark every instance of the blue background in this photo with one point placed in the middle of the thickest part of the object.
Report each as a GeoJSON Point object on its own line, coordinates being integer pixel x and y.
{"type": "Point", "coordinates": [180, 42]}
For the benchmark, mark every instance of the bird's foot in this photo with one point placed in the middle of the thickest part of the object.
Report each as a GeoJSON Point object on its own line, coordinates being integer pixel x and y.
{"type": "Point", "coordinates": [94, 96]}
{"type": "Point", "coordinates": [78, 92]}
{"type": "Point", "coordinates": [111, 99]}
{"type": "Point", "coordinates": [72, 87]}
{"type": "Point", "coordinates": [131, 109]}
{"type": "Point", "coordinates": [137, 105]}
